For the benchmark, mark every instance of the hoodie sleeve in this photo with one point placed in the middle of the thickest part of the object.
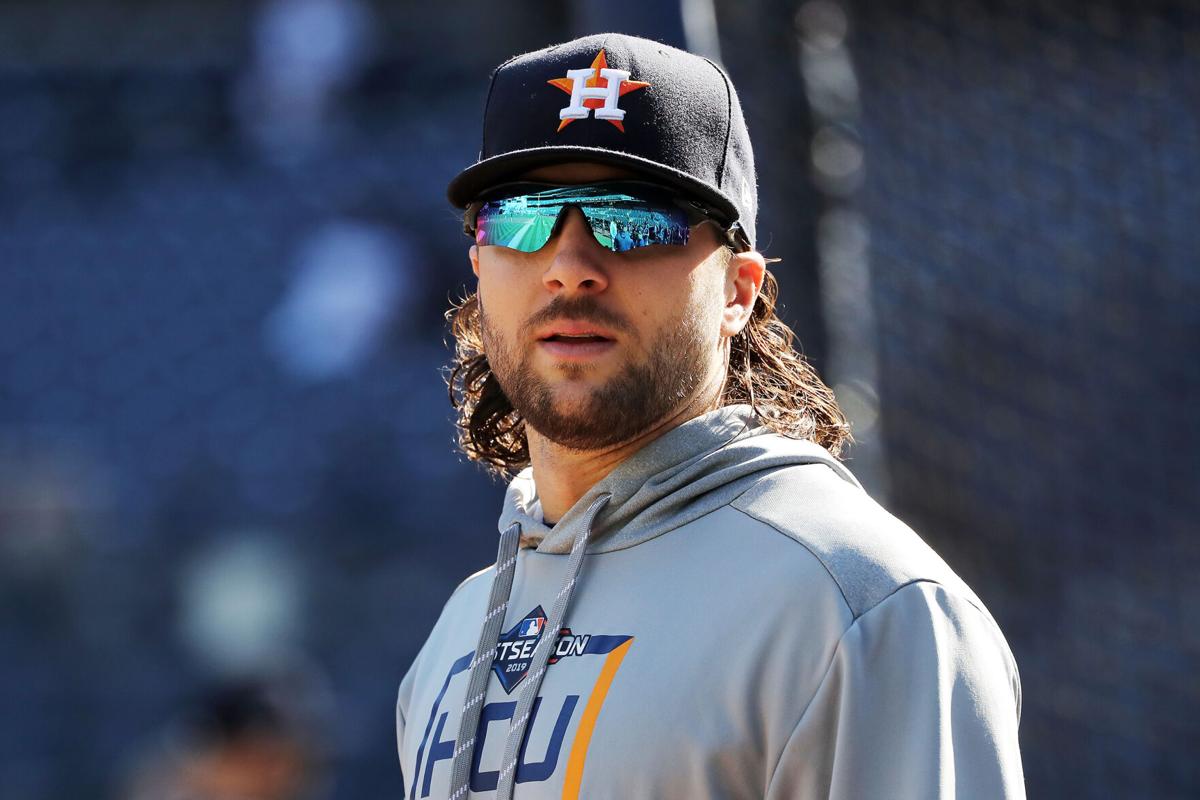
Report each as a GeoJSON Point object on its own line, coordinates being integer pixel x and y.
{"type": "Point", "coordinates": [403, 697]}
{"type": "Point", "coordinates": [921, 700]}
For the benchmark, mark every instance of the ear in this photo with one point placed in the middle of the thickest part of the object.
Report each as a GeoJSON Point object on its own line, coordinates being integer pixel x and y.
{"type": "Point", "coordinates": [743, 280]}
{"type": "Point", "coordinates": [473, 254]}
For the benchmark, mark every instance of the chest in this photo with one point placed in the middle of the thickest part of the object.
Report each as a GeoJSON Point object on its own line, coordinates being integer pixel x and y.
{"type": "Point", "coordinates": [672, 677]}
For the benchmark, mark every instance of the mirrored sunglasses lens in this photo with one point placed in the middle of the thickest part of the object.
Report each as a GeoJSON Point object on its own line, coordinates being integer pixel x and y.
{"type": "Point", "coordinates": [516, 222]}
{"type": "Point", "coordinates": [628, 222]}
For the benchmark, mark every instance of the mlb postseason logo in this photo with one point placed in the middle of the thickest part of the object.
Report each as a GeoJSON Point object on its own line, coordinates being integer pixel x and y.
{"type": "Point", "coordinates": [514, 651]}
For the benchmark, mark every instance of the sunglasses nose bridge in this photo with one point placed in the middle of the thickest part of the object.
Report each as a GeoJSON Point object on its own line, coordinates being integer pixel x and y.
{"type": "Point", "coordinates": [574, 261]}
{"type": "Point", "coordinates": [585, 219]}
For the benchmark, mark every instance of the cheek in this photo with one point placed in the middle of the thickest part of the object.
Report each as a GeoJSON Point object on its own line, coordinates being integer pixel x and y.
{"type": "Point", "coordinates": [690, 300]}
{"type": "Point", "coordinates": [499, 300]}
{"type": "Point", "coordinates": [707, 298]}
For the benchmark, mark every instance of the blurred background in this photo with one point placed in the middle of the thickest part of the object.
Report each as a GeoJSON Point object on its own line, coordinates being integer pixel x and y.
{"type": "Point", "coordinates": [230, 506]}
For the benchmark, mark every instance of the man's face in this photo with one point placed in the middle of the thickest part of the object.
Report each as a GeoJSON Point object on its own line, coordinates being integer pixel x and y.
{"type": "Point", "coordinates": [594, 347]}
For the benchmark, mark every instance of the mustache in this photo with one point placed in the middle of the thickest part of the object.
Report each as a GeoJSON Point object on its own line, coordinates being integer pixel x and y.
{"type": "Point", "coordinates": [584, 308]}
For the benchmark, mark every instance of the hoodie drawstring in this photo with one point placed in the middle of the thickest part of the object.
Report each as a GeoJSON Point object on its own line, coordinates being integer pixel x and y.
{"type": "Point", "coordinates": [481, 665]}
{"type": "Point", "coordinates": [541, 654]}
{"type": "Point", "coordinates": [485, 652]}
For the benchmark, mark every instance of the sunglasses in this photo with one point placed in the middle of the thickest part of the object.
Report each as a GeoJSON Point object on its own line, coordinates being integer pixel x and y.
{"type": "Point", "coordinates": [623, 215]}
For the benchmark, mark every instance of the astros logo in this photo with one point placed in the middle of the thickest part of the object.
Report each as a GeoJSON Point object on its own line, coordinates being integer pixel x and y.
{"type": "Point", "coordinates": [514, 653]}
{"type": "Point", "coordinates": [595, 88]}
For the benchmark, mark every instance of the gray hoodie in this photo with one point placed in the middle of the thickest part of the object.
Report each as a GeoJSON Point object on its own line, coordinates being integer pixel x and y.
{"type": "Point", "coordinates": [735, 619]}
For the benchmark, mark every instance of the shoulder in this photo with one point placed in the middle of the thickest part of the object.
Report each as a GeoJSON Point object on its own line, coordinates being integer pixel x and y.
{"type": "Point", "coordinates": [467, 602]}
{"type": "Point", "coordinates": [471, 591]}
{"type": "Point", "coordinates": [868, 553]}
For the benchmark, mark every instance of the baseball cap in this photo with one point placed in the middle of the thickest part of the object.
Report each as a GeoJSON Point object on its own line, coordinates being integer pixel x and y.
{"type": "Point", "coordinates": [669, 115]}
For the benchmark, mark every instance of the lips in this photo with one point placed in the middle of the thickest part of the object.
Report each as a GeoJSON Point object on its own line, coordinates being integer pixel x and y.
{"type": "Point", "coordinates": [575, 341]}
{"type": "Point", "coordinates": [584, 338]}
{"type": "Point", "coordinates": [572, 332]}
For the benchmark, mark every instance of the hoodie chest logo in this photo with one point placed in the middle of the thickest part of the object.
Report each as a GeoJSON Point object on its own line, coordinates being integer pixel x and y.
{"type": "Point", "coordinates": [514, 651]}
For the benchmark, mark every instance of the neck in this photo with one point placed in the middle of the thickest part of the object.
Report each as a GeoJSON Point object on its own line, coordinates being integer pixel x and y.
{"type": "Point", "coordinates": [564, 475]}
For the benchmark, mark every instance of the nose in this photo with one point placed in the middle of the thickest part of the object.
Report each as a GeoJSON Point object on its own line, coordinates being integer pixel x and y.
{"type": "Point", "coordinates": [576, 258]}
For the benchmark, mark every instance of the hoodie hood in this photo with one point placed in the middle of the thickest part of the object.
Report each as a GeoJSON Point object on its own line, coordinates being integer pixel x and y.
{"type": "Point", "coordinates": [684, 474]}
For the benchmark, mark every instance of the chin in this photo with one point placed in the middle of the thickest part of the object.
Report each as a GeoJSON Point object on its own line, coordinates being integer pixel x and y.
{"type": "Point", "coordinates": [574, 403]}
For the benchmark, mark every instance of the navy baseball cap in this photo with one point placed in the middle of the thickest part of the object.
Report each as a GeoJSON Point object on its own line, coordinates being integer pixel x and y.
{"type": "Point", "coordinates": [669, 115]}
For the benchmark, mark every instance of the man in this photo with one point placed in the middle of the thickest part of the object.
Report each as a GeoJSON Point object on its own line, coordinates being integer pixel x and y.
{"type": "Point", "coordinates": [693, 598]}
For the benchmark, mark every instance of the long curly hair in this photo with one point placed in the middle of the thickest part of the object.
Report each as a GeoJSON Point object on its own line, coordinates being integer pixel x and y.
{"type": "Point", "coordinates": [764, 371]}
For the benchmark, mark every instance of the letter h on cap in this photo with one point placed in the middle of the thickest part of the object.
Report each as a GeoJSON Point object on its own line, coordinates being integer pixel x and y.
{"type": "Point", "coordinates": [609, 93]}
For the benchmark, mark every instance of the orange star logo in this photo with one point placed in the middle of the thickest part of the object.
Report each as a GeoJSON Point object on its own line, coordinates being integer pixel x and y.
{"type": "Point", "coordinates": [596, 81]}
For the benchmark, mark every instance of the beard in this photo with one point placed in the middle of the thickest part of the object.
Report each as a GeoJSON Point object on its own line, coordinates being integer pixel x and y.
{"type": "Point", "coordinates": [628, 404]}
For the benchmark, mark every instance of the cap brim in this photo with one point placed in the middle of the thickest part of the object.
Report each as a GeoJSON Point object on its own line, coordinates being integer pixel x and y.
{"type": "Point", "coordinates": [478, 178]}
